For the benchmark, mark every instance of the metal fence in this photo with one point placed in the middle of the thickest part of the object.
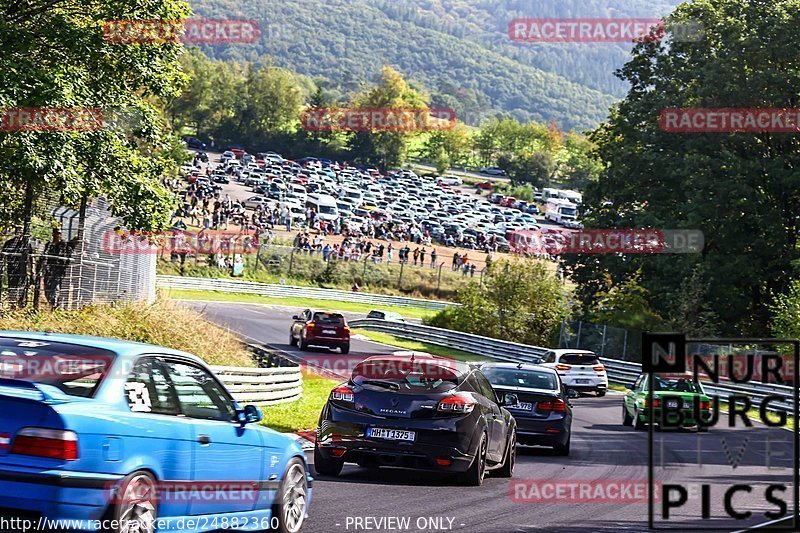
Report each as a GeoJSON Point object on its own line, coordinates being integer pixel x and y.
{"type": "Point", "coordinates": [75, 268]}
{"type": "Point", "coordinates": [287, 291]}
{"type": "Point", "coordinates": [605, 341]}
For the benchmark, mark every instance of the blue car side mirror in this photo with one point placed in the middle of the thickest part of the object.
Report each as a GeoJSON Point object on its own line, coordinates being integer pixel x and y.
{"type": "Point", "coordinates": [249, 415]}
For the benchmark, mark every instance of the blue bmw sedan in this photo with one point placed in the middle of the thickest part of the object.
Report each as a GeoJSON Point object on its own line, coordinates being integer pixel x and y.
{"type": "Point", "coordinates": [99, 434]}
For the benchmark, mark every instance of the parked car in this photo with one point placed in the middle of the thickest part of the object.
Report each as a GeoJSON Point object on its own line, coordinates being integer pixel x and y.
{"type": "Point", "coordinates": [673, 392]}
{"type": "Point", "coordinates": [391, 316]}
{"type": "Point", "coordinates": [543, 410]}
{"type": "Point", "coordinates": [97, 429]}
{"type": "Point", "coordinates": [194, 142]}
{"type": "Point", "coordinates": [579, 369]}
{"type": "Point", "coordinates": [417, 411]}
{"type": "Point", "coordinates": [255, 201]}
{"type": "Point", "coordinates": [493, 171]}
{"type": "Point", "coordinates": [449, 181]}
{"type": "Point", "coordinates": [319, 328]}
{"type": "Point", "coordinates": [485, 185]}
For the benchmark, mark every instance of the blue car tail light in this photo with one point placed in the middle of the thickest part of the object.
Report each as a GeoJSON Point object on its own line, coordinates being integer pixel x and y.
{"type": "Point", "coordinates": [43, 442]}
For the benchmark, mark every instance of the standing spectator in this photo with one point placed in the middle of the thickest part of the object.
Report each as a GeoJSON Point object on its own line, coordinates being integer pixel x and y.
{"type": "Point", "coordinates": [57, 256]}
{"type": "Point", "coordinates": [389, 251]}
{"type": "Point", "coordinates": [472, 270]}
{"type": "Point", "coordinates": [416, 255]}
{"type": "Point", "coordinates": [456, 261]}
{"type": "Point", "coordinates": [18, 256]}
{"type": "Point", "coordinates": [433, 258]}
{"type": "Point", "coordinates": [422, 257]}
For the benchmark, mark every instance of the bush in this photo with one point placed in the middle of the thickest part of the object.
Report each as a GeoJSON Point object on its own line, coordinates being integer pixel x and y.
{"type": "Point", "coordinates": [519, 301]}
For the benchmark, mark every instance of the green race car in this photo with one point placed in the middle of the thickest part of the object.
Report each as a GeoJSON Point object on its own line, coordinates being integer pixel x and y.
{"type": "Point", "coordinates": [678, 394]}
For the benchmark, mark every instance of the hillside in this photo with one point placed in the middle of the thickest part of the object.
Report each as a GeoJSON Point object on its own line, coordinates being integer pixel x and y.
{"type": "Point", "coordinates": [458, 51]}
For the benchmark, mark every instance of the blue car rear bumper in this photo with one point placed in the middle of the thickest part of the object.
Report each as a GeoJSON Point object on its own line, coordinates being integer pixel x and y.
{"type": "Point", "coordinates": [79, 497]}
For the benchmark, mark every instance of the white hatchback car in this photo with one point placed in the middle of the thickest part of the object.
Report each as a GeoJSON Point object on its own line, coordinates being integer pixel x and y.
{"type": "Point", "coordinates": [579, 369]}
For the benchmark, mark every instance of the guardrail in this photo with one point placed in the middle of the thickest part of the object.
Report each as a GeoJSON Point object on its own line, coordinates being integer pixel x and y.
{"type": "Point", "coordinates": [619, 372]}
{"type": "Point", "coordinates": [485, 346]}
{"type": "Point", "coordinates": [289, 291]}
{"type": "Point", "coordinates": [262, 386]}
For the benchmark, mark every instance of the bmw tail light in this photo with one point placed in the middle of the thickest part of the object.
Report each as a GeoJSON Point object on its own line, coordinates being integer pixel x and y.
{"type": "Point", "coordinates": [49, 443]}
{"type": "Point", "coordinates": [343, 393]}
{"type": "Point", "coordinates": [456, 405]}
{"type": "Point", "coordinates": [705, 405]}
{"type": "Point", "coordinates": [554, 405]}
{"type": "Point", "coordinates": [656, 402]}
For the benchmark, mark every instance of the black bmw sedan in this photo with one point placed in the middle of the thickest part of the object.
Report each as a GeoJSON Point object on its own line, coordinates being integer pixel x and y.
{"type": "Point", "coordinates": [416, 411]}
{"type": "Point", "coordinates": [543, 410]}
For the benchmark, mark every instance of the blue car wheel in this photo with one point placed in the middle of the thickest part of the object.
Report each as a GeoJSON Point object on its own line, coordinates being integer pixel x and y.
{"type": "Point", "coordinates": [292, 498]}
{"type": "Point", "coordinates": [136, 505]}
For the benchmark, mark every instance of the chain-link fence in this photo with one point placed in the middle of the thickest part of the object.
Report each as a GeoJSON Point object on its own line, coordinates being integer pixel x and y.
{"type": "Point", "coordinates": [605, 341]}
{"type": "Point", "coordinates": [65, 262]}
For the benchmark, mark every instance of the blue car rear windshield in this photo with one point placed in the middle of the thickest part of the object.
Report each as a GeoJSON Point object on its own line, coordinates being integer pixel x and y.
{"type": "Point", "coordinates": [74, 369]}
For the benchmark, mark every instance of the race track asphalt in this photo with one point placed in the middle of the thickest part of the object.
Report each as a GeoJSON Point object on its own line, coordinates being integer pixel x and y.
{"type": "Point", "coordinates": [604, 453]}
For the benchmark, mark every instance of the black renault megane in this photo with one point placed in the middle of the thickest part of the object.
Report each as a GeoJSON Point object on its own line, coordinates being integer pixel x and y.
{"type": "Point", "coordinates": [417, 411]}
{"type": "Point", "coordinates": [543, 411]}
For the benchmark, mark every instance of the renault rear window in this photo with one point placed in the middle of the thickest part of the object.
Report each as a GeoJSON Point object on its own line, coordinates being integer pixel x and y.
{"type": "Point", "coordinates": [74, 369]}
{"type": "Point", "coordinates": [403, 376]}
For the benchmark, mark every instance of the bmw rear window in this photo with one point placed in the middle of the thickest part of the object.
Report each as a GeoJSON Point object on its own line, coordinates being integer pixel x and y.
{"type": "Point", "coordinates": [74, 369]}
{"type": "Point", "coordinates": [676, 385]}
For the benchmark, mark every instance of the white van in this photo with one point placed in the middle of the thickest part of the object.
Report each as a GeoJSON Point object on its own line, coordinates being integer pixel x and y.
{"type": "Point", "coordinates": [573, 196]}
{"type": "Point", "coordinates": [561, 211]}
{"type": "Point", "coordinates": [324, 205]}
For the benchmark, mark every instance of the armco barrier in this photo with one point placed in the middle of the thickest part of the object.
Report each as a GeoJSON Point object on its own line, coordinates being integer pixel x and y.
{"type": "Point", "coordinates": [485, 346]}
{"type": "Point", "coordinates": [262, 386]}
{"type": "Point", "coordinates": [288, 291]}
{"type": "Point", "coordinates": [619, 372]}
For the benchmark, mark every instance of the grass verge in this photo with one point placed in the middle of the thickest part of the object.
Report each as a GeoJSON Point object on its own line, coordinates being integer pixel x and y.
{"type": "Point", "coordinates": [419, 346]}
{"type": "Point", "coordinates": [408, 312]}
{"type": "Point", "coordinates": [163, 323]}
{"type": "Point", "coordinates": [304, 413]}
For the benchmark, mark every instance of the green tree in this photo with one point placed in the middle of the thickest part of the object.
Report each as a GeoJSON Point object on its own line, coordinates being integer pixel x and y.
{"type": "Point", "coordinates": [55, 55]}
{"type": "Point", "coordinates": [520, 301]}
{"type": "Point", "coordinates": [386, 147]}
{"type": "Point", "coordinates": [625, 305]}
{"type": "Point", "coordinates": [441, 161]}
{"type": "Point", "coordinates": [537, 168]}
{"type": "Point", "coordinates": [726, 185]}
{"type": "Point", "coordinates": [785, 309]}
